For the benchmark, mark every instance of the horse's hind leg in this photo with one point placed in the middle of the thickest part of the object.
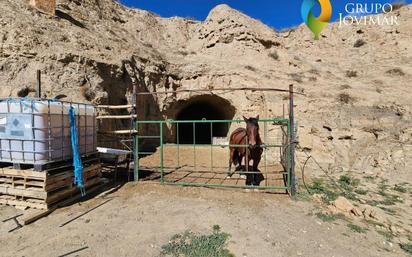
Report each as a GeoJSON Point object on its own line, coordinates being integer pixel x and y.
{"type": "Point", "coordinates": [240, 159]}
{"type": "Point", "coordinates": [243, 176]}
{"type": "Point", "coordinates": [229, 171]}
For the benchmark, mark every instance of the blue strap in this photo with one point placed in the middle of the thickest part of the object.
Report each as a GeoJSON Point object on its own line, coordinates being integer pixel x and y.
{"type": "Point", "coordinates": [77, 161]}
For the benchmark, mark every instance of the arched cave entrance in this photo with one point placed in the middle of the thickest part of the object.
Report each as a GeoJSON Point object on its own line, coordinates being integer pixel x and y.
{"type": "Point", "coordinates": [204, 107]}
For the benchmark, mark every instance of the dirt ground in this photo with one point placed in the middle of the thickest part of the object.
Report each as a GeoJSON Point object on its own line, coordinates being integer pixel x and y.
{"type": "Point", "coordinates": [140, 218]}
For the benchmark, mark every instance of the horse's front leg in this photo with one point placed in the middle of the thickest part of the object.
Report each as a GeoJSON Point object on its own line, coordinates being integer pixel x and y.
{"type": "Point", "coordinates": [247, 160]}
{"type": "Point", "coordinates": [256, 162]}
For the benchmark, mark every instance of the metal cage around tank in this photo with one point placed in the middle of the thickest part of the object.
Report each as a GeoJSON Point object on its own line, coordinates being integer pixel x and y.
{"type": "Point", "coordinates": [37, 131]}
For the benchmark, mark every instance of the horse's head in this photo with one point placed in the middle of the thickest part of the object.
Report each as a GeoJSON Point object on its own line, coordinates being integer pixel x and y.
{"type": "Point", "coordinates": [252, 130]}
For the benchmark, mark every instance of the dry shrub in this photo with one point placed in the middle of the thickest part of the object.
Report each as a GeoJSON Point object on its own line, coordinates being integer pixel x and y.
{"type": "Point", "coordinates": [25, 91]}
{"type": "Point", "coordinates": [359, 43]}
{"type": "Point", "coordinates": [396, 6]}
{"type": "Point", "coordinates": [251, 68]}
{"type": "Point", "coordinates": [396, 72]}
{"type": "Point", "coordinates": [87, 93]}
{"type": "Point", "coordinates": [314, 71]}
{"type": "Point", "coordinates": [274, 55]}
{"type": "Point", "coordinates": [182, 52]}
{"type": "Point", "coordinates": [296, 77]}
{"type": "Point", "coordinates": [345, 98]}
{"type": "Point", "coordinates": [351, 74]}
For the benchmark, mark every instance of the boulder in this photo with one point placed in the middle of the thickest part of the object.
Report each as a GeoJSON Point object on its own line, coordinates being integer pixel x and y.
{"type": "Point", "coordinates": [344, 205]}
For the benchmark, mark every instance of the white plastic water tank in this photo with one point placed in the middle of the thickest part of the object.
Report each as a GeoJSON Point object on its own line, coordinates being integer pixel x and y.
{"type": "Point", "coordinates": [34, 131]}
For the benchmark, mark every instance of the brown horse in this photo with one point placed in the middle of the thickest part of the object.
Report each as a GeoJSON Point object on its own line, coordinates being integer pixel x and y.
{"type": "Point", "coordinates": [249, 136]}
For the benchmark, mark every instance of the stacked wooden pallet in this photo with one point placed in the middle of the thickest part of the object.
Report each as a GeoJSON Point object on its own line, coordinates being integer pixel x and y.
{"type": "Point", "coordinates": [43, 189]}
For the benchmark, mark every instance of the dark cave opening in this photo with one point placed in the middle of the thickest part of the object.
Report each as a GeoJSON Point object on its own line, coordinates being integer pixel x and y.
{"type": "Point", "coordinates": [205, 107]}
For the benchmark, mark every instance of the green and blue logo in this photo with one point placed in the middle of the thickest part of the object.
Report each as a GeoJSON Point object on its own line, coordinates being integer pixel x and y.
{"type": "Point", "coordinates": [316, 24]}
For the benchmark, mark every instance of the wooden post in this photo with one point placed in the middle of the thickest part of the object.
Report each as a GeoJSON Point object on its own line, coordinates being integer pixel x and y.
{"type": "Point", "coordinates": [38, 84]}
{"type": "Point", "coordinates": [294, 183]}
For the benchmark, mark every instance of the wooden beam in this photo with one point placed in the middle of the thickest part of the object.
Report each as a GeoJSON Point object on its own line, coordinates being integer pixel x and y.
{"type": "Point", "coordinates": [115, 106]}
{"type": "Point", "coordinates": [119, 132]}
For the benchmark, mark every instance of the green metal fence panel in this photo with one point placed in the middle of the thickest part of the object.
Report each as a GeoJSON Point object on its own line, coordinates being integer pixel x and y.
{"type": "Point", "coordinates": [199, 173]}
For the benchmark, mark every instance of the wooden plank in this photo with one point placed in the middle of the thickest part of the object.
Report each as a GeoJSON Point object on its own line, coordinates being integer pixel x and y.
{"type": "Point", "coordinates": [59, 184]}
{"type": "Point", "coordinates": [69, 173]}
{"type": "Point", "coordinates": [58, 177]}
{"type": "Point", "coordinates": [40, 214]}
{"type": "Point", "coordinates": [23, 192]}
{"type": "Point", "coordinates": [37, 215]}
{"type": "Point", "coordinates": [15, 202]}
{"type": "Point", "coordinates": [22, 173]}
{"type": "Point", "coordinates": [66, 193]}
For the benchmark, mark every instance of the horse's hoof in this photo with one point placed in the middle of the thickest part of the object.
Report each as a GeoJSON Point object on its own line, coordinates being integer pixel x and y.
{"type": "Point", "coordinates": [229, 176]}
{"type": "Point", "coordinates": [243, 176]}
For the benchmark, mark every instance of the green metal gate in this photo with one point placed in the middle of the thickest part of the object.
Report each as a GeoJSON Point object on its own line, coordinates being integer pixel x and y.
{"type": "Point", "coordinates": [160, 154]}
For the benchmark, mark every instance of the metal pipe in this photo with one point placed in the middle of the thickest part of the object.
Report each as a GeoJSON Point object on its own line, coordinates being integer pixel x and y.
{"type": "Point", "coordinates": [135, 126]}
{"type": "Point", "coordinates": [293, 181]}
{"type": "Point", "coordinates": [178, 145]}
{"type": "Point", "coordinates": [226, 186]}
{"type": "Point", "coordinates": [161, 154]}
{"type": "Point", "coordinates": [218, 89]}
{"type": "Point", "coordinates": [38, 84]}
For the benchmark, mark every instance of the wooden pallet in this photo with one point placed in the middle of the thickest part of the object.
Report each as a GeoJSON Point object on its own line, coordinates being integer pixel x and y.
{"type": "Point", "coordinates": [48, 165]}
{"type": "Point", "coordinates": [41, 189]}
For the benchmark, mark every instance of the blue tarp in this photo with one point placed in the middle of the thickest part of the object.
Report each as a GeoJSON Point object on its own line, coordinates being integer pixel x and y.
{"type": "Point", "coordinates": [77, 161]}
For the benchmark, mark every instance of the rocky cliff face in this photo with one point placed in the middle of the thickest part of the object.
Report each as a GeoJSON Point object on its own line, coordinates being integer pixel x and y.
{"type": "Point", "coordinates": [355, 115]}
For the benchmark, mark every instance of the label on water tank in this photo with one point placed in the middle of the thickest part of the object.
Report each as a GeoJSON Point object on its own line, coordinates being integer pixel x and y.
{"type": "Point", "coordinates": [3, 120]}
{"type": "Point", "coordinates": [16, 126]}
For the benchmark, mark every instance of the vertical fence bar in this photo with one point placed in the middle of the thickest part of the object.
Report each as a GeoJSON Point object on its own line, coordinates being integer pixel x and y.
{"type": "Point", "coordinates": [211, 146]}
{"type": "Point", "coordinates": [288, 158]}
{"type": "Point", "coordinates": [266, 149]}
{"type": "Point", "coordinates": [293, 181]}
{"type": "Point", "coordinates": [194, 146]}
{"type": "Point", "coordinates": [246, 156]}
{"type": "Point", "coordinates": [9, 140]}
{"type": "Point", "coordinates": [178, 145]}
{"type": "Point", "coordinates": [49, 130]}
{"type": "Point", "coordinates": [22, 141]}
{"type": "Point", "coordinates": [63, 130]}
{"type": "Point", "coordinates": [135, 127]}
{"type": "Point", "coordinates": [161, 153]}
{"type": "Point", "coordinates": [136, 151]}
